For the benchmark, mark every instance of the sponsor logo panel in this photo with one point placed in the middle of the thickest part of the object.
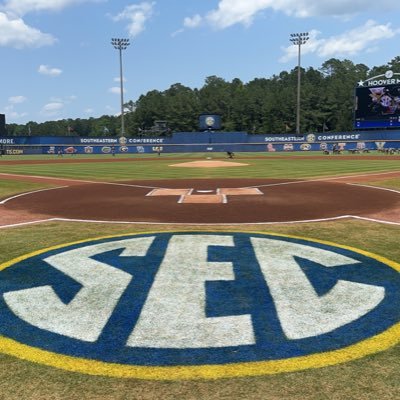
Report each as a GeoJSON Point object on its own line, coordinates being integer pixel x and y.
{"type": "Point", "coordinates": [311, 138]}
{"type": "Point", "coordinates": [122, 141]}
{"type": "Point", "coordinates": [288, 147]}
{"type": "Point", "coordinates": [14, 152]}
{"type": "Point", "coordinates": [70, 150]}
{"type": "Point", "coordinates": [305, 147]}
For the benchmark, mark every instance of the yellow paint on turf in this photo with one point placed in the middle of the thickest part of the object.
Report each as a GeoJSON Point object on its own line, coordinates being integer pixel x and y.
{"type": "Point", "coordinates": [372, 345]}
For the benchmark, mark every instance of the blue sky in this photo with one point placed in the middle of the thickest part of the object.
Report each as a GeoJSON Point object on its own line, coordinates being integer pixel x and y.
{"type": "Point", "coordinates": [56, 58]}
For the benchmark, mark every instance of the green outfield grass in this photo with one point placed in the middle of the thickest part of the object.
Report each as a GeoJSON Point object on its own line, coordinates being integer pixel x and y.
{"type": "Point", "coordinates": [259, 166]}
{"type": "Point", "coordinates": [369, 378]}
{"type": "Point", "coordinates": [295, 154]}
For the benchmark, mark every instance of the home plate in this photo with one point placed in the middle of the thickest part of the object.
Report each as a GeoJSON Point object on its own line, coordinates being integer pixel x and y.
{"type": "Point", "coordinates": [203, 199]}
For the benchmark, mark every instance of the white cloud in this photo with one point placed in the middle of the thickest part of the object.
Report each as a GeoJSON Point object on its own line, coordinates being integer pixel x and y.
{"type": "Point", "coordinates": [118, 79]}
{"type": "Point", "coordinates": [22, 7]}
{"type": "Point", "coordinates": [177, 32]}
{"type": "Point", "coordinates": [357, 40]}
{"type": "Point", "coordinates": [56, 106]}
{"type": "Point", "coordinates": [116, 90]}
{"type": "Point", "coordinates": [46, 70]}
{"type": "Point", "coordinates": [65, 100]}
{"type": "Point", "coordinates": [17, 99]}
{"type": "Point", "coordinates": [189, 23]}
{"type": "Point", "coordinates": [349, 43]}
{"type": "Point", "coordinates": [15, 33]}
{"type": "Point", "coordinates": [53, 106]}
{"type": "Point", "coordinates": [16, 115]}
{"type": "Point", "coordinates": [12, 113]}
{"type": "Point", "coordinates": [52, 109]}
{"type": "Point", "coordinates": [231, 12]}
{"type": "Point", "coordinates": [193, 22]}
{"type": "Point", "coordinates": [137, 15]}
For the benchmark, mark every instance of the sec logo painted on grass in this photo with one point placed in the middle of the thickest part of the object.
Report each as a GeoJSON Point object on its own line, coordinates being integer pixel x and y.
{"type": "Point", "coordinates": [198, 304]}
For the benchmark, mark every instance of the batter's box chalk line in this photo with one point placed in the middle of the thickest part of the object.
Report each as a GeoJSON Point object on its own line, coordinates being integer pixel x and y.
{"type": "Point", "coordinates": [187, 196]}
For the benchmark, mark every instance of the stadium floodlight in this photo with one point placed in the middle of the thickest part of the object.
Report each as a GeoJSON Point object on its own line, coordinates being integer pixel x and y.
{"type": "Point", "coordinates": [121, 44]}
{"type": "Point", "coordinates": [298, 39]}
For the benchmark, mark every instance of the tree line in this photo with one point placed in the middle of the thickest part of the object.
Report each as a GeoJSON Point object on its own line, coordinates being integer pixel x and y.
{"type": "Point", "coordinates": [261, 106]}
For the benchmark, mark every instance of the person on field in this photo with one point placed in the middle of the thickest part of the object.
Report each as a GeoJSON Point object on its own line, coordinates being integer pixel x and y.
{"type": "Point", "coordinates": [230, 154]}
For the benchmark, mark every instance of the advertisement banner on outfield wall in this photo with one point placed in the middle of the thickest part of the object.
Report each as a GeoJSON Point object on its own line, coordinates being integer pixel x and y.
{"type": "Point", "coordinates": [324, 147]}
{"type": "Point", "coordinates": [203, 142]}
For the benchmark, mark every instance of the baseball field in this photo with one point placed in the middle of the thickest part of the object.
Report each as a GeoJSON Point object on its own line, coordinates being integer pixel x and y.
{"type": "Point", "coordinates": [194, 276]}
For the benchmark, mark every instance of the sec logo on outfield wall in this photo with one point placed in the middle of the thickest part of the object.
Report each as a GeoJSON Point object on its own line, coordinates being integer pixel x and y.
{"type": "Point", "coordinates": [197, 304]}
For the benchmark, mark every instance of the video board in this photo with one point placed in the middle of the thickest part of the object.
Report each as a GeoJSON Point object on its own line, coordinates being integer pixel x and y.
{"type": "Point", "coordinates": [377, 107]}
{"type": "Point", "coordinates": [3, 130]}
{"type": "Point", "coordinates": [209, 122]}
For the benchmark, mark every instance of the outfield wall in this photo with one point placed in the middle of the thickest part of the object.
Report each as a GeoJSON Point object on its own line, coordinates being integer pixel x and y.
{"type": "Point", "coordinates": [190, 142]}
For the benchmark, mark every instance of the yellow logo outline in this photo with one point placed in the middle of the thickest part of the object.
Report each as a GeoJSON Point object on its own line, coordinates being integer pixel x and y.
{"type": "Point", "coordinates": [374, 344]}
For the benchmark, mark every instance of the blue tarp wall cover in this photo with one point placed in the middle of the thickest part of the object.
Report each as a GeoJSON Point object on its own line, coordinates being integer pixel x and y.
{"type": "Point", "coordinates": [190, 142]}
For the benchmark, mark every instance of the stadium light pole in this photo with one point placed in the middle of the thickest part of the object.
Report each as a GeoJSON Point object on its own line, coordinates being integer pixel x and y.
{"type": "Point", "coordinates": [121, 44]}
{"type": "Point", "coordinates": [298, 39]}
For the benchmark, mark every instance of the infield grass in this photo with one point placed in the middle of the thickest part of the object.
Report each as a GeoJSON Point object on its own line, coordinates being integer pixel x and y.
{"type": "Point", "coordinates": [387, 183]}
{"type": "Point", "coordinates": [9, 188]}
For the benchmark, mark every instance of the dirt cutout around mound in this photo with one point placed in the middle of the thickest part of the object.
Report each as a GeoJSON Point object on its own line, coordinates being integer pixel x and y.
{"type": "Point", "coordinates": [208, 164]}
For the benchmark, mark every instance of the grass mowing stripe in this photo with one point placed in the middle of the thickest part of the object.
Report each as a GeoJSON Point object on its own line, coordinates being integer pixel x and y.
{"type": "Point", "coordinates": [161, 169]}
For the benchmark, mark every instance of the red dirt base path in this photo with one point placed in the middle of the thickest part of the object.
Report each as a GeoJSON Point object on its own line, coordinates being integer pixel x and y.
{"type": "Point", "coordinates": [279, 201]}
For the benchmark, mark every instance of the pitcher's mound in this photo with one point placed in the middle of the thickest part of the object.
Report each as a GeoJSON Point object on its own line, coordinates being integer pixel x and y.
{"type": "Point", "coordinates": [209, 164]}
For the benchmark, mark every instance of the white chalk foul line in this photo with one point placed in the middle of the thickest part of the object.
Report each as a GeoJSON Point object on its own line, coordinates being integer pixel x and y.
{"type": "Point", "coordinates": [376, 220]}
{"type": "Point", "coordinates": [19, 224]}
{"type": "Point", "coordinates": [28, 193]}
{"type": "Point", "coordinates": [341, 217]}
{"type": "Point", "coordinates": [47, 177]}
{"type": "Point", "coordinates": [218, 224]}
{"type": "Point", "coordinates": [375, 187]}
{"type": "Point", "coordinates": [321, 179]}
{"type": "Point", "coordinates": [81, 181]}
{"type": "Point", "coordinates": [200, 223]}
